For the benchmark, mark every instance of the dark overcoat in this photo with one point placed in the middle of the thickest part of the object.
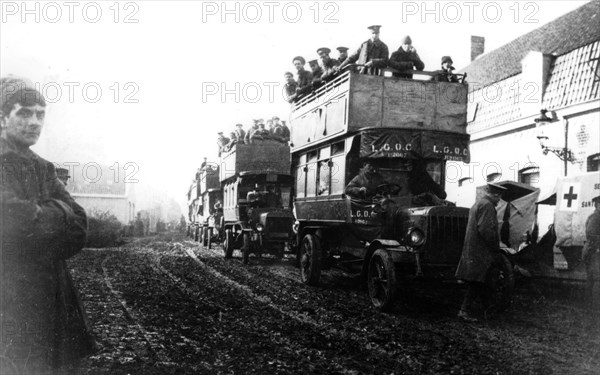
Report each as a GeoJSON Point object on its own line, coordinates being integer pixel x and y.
{"type": "Point", "coordinates": [377, 52]}
{"type": "Point", "coordinates": [482, 242]}
{"type": "Point", "coordinates": [362, 180]}
{"type": "Point", "coordinates": [405, 62]}
{"type": "Point", "coordinates": [43, 321]}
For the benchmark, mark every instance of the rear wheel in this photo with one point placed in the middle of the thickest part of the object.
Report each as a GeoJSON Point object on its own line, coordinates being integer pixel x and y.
{"type": "Point", "coordinates": [499, 285]}
{"type": "Point", "coordinates": [381, 280]}
{"type": "Point", "coordinates": [246, 249]}
{"type": "Point", "coordinates": [310, 260]}
{"type": "Point", "coordinates": [228, 244]}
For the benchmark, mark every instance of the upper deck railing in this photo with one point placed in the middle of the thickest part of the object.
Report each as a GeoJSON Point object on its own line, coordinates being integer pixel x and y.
{"type": "Point", "coordinates": [354, 101]}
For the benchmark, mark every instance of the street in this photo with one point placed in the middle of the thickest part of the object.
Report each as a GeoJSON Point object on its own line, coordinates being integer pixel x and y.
{"type": "Point", "coordinates": [165, 305]}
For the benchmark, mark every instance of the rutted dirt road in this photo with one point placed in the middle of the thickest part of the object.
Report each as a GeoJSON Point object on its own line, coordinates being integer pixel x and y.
{"type": "Point", "coordinates": [167, 306]}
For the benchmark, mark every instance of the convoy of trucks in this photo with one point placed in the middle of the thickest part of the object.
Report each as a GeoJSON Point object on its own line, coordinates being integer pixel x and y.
{"type": "Point", "coordinates": [278, 198]}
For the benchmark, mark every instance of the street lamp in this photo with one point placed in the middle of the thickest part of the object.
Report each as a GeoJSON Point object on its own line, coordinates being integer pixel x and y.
{"type": "Point", "coordinates": [564, 153]}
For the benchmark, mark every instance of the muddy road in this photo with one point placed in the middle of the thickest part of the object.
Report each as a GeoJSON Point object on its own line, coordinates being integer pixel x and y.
{"type": "Point", "coordinates": [165, 305]}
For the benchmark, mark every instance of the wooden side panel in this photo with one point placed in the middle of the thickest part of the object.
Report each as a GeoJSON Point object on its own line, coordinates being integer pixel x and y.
{"type": "Point", "coordinates": [336, 209]}
{"type": "Point", "coordinates": [451, 112]}
{"type": "Point", "coordinates": [365, 109]}
{"type": "Point", "coordinates": [259, 157]}
{"type": "Point", "coordinates": [409, 104]}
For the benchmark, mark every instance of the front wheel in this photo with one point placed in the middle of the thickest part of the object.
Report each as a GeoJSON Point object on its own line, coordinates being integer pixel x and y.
{"type": "Point", "coordinates": [499, 285]}
{"type": "Point", "coordinates": [381, 280]}
{"type": "Point", "coordinates": [310, 260]}
{"type": "Point", "coordinates": [246, 249]}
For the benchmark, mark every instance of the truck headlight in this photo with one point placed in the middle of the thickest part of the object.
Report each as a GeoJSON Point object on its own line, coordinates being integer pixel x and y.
{"type": "Point", "coordinates": [415, 237]}
{"type": "Point", "coordinates": [259, 227]}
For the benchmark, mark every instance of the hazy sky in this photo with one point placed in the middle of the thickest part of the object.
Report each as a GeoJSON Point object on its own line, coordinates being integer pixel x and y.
{"type": "Point", "coordinates": [143, 81]}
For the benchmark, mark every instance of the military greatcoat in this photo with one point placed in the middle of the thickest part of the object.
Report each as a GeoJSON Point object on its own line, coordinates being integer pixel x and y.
{"type": "Point", "coordinates": [377, 52]}
{"type": "Point", "coordinates": [482, 242]}
{"type": "Point", "coordinates": [43, 322]}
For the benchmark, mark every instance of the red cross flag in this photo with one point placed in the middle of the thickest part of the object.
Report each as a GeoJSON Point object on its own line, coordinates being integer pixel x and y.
{"type": "Point", "coordinates": [569, 197]}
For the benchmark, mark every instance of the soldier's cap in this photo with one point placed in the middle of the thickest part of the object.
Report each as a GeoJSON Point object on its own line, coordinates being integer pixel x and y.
{"type": "Point", "coordinates": [342, 49]}
{"type": "Point", "coordinates": [406, 40]}
{"type": "Point", "coordinates": [240, 125]}
{"type": "Point", "coordinates": [596, 199]}
{"type": "Point", "coordinates": [323, 49]}
{"type": "Point", "coordinates": [299, 58]}
{"type": "Point", "coordinates": [220, 133]}
{"type": "Point", "coordinates": [16, 89]}
{"type": "Point", "coordinates": [495, 188]}
{"type": "Point", "coordinates": [62, 172]}
{"type": "Point", "coordinates": [288, 74]}
{"type": "Point", "coordinates": [374, 28]}
{"type": "Point", "coordinates": [275, 118]}
{"type": "Point", "coordinates": [447, 59]}
{"type": "Point", "coordinates": [262, 124]}
{"type": "Point", "coordinates": [313, 62]}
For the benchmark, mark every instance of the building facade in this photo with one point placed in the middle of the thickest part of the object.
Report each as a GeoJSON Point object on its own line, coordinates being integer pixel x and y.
{"type": "Point", "coordinates": [553, 68]}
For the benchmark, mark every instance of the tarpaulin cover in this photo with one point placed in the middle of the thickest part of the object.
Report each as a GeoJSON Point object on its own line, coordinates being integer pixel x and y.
{"type": "Point", "coordinates": [517, 215]}
{"type": "Point", "coordinates": [573, 207]}
{"type": "Point", "coordinates": [414, 144]}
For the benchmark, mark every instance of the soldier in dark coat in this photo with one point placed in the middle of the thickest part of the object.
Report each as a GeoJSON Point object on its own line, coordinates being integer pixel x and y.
{"type": "Point", "coordinates": [445, 74]}
{"type": "Point", "coordinates": [240, 134]}
{"type": "Point", "coordinates": [591, 251]}
{"type": "Point", "coordinates": [327, 64]}
{"type": "Point", "coordinates": [305, 77]}
{"type": "Point", "coordinates": [290, 87]}
{"type": "Point", "coordinates": [316, 70]}
{"type": "Point", "coordinates": [364, 185]}
{"type": "Point", "coordinates": [222, 141]}
{"type": "Point", "coordinates": [373, 54]}
{"type": "Point", "coordinates": [44, 326]}
{"type": "Point", "coordinates": [250, 132]}
{"type": "Point", "coordinates": [343, 54]}
{"type": "Point", "coordinates": [481, 247]}
{"type": "Point", "coordinates": [406, 59]}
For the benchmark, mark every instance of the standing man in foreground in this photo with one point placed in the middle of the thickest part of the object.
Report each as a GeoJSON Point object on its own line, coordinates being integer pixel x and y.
{"type": "Point", "coordinates": [43, 322]}
{"type": "Point", "coordinates": [481, 248]}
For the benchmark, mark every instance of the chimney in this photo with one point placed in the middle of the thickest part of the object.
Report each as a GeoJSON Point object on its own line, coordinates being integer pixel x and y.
{"type": "Point", "coordinates": [477, 46]}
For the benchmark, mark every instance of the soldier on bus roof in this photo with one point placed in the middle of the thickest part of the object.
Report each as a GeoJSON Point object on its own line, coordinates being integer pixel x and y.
{"type": "Point", "coordinates": [290, 86]}
{"type": "Point", "coordinates": [326, 63]}
{"type": "Point", "coordinates": [406, 59]}
{"type": "Point", "coordinates": [317, 72]}
{"type": "Point", "coordinates": [222, 141]}
{"type": "Point", "coordinates": [445, 74]}
{"type": "Point", "coordinates": [343, 54]}
{"type": "Point", "coordinates": [373, 54]}
{"type": "Point", "coordinates": [240, 134]}
{"type": "Point", "coordinates": [250, 132]}
{"type": "Point", "coordinates": [305, 77]}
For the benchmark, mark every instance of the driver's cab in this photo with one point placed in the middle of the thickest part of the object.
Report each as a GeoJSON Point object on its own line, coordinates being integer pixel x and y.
{"type": "Point", "coordinates": [408, 182]}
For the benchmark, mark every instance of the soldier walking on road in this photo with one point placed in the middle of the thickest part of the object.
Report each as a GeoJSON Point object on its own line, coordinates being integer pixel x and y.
{"type": "Point", "coordinates": [481, 248]}
{"type": "Point", "coordinates": [591, 252]}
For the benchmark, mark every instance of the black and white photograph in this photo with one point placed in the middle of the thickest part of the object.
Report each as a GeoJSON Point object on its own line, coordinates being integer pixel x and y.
{"type": "Point", "coordinates": [299, 187]}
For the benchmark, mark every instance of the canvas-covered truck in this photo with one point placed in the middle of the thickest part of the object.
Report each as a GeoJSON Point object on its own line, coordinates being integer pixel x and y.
{"type": "Point", "coordinates": [407, 130]}
{"type": "Point", "coordinates": [554, 252]}
{"type": "Point", "coordinates": [210, 212]}
{"type": "Point", "coordinates": [256, 184]}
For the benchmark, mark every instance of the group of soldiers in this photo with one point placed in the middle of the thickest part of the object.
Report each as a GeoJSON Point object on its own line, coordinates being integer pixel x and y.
{"type": "Point", "coordinates": [370, 58]}
{"type": "Point", "coordinates": [274, 129]}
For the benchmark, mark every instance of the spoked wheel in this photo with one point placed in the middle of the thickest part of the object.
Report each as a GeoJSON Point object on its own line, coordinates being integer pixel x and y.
{"type": "Point", "coordinates": [228, 245]}
{"type": "Point", "coordinates": [310, 260]}
{"type": "Point", "coordinates": [499, 285]}
{"type": "Point", "coordinates": [381, 280]}
{"type": "Point", "coordinates": [246, 249]}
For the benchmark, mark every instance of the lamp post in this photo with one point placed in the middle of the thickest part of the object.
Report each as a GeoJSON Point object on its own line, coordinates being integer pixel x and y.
{"type": "Point", "coordinates": [563, 153]}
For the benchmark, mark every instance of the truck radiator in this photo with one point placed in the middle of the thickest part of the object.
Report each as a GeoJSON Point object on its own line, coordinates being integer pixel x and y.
{"type": "Point", "coordinates": [445, 238]}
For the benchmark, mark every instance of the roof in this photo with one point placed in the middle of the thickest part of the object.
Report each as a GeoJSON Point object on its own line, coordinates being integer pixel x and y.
{"type": "Point", "coordinates": [566, 33]}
